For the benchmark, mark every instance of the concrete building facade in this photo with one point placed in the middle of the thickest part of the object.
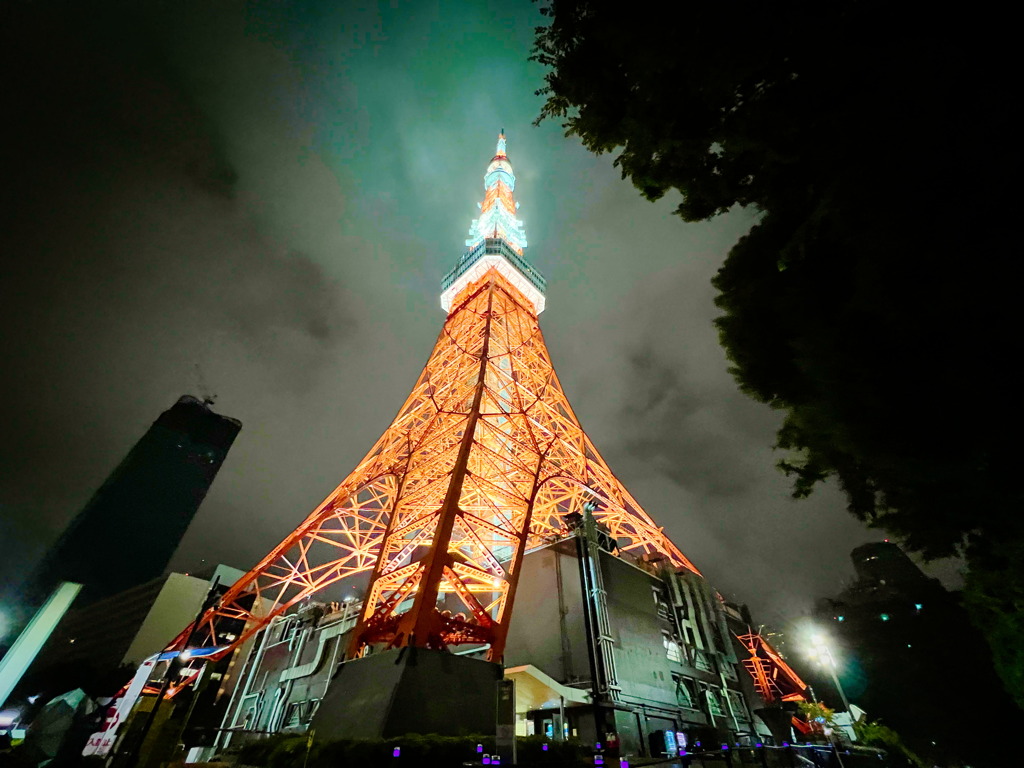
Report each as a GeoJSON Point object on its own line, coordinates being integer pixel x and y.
{"type": "Point", "coordinates": [671, 664]}
{"type": "Point", "coordinates": [895, 631]}
{"type": "Point", "coordinates": [122, 630]}
{"type": "Point", "coordinates": [289, 669]}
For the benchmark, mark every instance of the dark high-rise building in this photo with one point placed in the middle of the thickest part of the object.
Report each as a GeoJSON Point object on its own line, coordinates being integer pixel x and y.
{"type": "Point", "coordinates": [883, 563]}
{"type": "Point", "coordinates": [908, 655]}
{"type": "Point", "coordinates": [129, 529]}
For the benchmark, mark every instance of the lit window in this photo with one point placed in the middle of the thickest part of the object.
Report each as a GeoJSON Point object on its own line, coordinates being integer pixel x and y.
{"type": "Point", "coordinates": [672, 649]}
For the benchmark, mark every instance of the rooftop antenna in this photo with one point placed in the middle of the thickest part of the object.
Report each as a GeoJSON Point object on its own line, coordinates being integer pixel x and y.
{"type": "Point", "coordinates": [205, 394]}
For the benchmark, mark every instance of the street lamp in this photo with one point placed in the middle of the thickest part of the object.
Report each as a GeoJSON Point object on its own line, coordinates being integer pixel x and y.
{"type": "Point", "coordinates": [823, 653]}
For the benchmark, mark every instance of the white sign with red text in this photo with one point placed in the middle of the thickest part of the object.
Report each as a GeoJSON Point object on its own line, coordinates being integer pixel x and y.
{"type": "Point", "coordinates": [101, 741]}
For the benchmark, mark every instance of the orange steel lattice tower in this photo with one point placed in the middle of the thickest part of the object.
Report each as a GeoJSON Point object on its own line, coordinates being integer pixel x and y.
{"type": "Point", "coordinates": [484, 461]}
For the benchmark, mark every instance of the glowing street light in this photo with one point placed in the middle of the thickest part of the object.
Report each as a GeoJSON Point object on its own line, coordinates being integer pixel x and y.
{"type": "Point", "coordinates": [823, 653]}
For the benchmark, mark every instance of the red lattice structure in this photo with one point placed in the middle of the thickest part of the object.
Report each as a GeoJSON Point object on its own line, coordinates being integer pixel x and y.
{"type": "Point", "coordinates": [774, 680]}
{"type": "Point", "coordinates": [484, 461]}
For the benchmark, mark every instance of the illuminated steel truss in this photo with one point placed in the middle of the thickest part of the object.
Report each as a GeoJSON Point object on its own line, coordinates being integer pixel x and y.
{"type": "Point", "coordinates": [774, 680]}
{"type": "Point", "coordinates": [484, 461]}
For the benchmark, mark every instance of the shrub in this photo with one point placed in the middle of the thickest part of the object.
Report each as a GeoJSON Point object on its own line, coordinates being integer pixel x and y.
{"type": "Point", "coordinates": [419, 750]}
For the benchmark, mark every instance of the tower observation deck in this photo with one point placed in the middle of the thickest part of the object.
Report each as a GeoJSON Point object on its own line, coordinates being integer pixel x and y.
{"type": "Point", "coordinates": [484, 461]}
{"type": "Point", "coordinates": [496, 240]}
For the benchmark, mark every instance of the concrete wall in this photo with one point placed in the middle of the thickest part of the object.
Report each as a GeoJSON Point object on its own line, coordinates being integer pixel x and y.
{"type": "Point", "coordinates": [667, 630]}
{"type": "Point", "coordinates": [547, 628]}
{"type": "Point", "coordinates": [410, 690]}
{"type": "Point", "coordinates": [641, 661]}
{"type": "Point", "coordinates": [174, 608]}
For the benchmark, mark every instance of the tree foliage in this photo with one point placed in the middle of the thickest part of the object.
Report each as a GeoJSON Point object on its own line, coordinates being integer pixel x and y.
{"type": "Point", "coordinates": [874, 734]}
{"type": "Point", "coordinates": [873, 302]}
{"type": "Point", "coordinates": [817, 714]}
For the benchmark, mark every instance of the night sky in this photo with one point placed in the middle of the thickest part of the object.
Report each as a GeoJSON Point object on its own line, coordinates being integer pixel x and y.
{"type": "Point", "coordinates": [258, 202]}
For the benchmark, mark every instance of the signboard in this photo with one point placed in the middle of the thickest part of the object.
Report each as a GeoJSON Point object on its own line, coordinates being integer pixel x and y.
{"type": "Point", "coordinates": [670, 743]}
{"type": "Point", "coordinates": [505, 733]}
{"type": "Point", "coordinates": [101, 741]}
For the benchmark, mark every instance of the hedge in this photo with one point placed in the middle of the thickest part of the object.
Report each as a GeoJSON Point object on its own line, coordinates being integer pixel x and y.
{"type": "Point", "coordinates": [421, 751]}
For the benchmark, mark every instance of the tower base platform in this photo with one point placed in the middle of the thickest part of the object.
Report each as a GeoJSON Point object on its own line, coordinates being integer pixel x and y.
{"type": "Point", "coordinates": [411, 690]}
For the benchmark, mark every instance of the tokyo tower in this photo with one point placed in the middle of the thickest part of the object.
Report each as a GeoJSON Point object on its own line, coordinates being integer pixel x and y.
{"type": "Point", "coordinates": [484, 461]}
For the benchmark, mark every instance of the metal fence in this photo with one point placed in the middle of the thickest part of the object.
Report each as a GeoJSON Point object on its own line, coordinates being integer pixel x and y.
{"type": "Point", "coordinates": [790, 756]}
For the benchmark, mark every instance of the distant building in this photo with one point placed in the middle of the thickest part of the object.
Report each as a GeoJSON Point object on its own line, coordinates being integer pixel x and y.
{"type": "Point", "coordinates": [127, 532]}
{"type": "Point", "coordinates": [889, 599]}
{"type": "Point", "coordinates": [94, 641]}
{"type": "Point", "coordinates": [908, 655]}
{"type": "Point", "coordinates": [882, 563]}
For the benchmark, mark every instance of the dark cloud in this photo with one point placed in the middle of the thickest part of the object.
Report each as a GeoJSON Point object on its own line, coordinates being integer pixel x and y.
{"type": "Point", "coordinates": [129, 262]}
{"type": "Point", "coordinates": [679, 430]}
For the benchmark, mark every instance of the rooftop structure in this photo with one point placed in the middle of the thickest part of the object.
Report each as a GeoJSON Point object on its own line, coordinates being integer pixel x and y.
{"type": "Point", "coordinates": [496, 240]}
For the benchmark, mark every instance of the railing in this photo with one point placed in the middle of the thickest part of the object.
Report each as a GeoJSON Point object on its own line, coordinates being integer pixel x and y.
{"type": "Point", "coordinates": [789, 756]}
{"type": "Point", "coordinates": [494, 247]}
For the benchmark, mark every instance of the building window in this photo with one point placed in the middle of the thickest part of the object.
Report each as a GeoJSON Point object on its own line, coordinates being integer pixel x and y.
{"type": "Point", "coordinates": [728, 669]}
{"type": "Point", "coordinates": [661, 602]}
{"type": "Point", "coordinates": [739, 705]}
{"type": "Point", "coordinates": [702, 660]}
{"type": "Point", "coordinates": [300, 713]}
{"type": "Point", "coordinates": [672, 649]}
{"type": "Point", "coordinates": [293, 718]}
{"type": "Point", "coordinates": [685, 692]}
{"type": "Point", "coordinates": [713, 699]}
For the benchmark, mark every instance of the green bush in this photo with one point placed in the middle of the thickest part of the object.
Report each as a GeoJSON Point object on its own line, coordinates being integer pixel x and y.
{"type": "Point", "coordinates": [258, 753]}
{"type": "Point", "coordinates": [417, 751]}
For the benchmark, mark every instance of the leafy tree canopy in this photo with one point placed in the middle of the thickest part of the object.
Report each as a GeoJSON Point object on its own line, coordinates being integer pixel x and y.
{"type": "Point", "coordinates": [817, 714]}
{"type": "Point", "coordinates": [874, 301]}
{"type": "Point", "coordinates": [875, 734]}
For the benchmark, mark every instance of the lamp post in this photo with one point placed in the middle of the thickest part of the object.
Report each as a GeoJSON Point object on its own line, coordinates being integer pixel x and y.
{"type": "Point", "coordinates": [823, 653]}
